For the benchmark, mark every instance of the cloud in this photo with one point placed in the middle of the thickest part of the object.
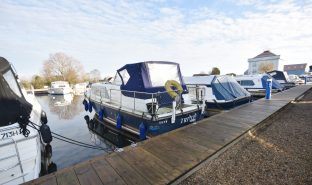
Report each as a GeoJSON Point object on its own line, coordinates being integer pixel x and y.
{"type": "Point", "coordinates": [108, 34]}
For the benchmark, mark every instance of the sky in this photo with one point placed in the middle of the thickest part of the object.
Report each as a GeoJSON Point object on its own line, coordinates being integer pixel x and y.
{"type": "Point", "coordinates": [198, 34]}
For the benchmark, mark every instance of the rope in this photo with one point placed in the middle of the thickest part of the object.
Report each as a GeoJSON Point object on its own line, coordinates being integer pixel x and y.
{"type": "Point", "coordinates": [71, 141]}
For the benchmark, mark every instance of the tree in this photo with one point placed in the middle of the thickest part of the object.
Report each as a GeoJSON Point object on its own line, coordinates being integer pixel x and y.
{"type": "Point", "coordinates": [215, 71]}
{"type": "Point", "coordinates": [265, 67]}
{"type": "Point", "coordinates": [60, 66]}
{"type": "Point", "coordinates": [38, 82]}
{"type": "Point", "coordinates": [231, 74]}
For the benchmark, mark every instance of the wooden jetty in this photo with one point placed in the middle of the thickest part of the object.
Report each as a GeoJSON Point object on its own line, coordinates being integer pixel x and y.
{"type": "Point", "coordinates": [167, 158]}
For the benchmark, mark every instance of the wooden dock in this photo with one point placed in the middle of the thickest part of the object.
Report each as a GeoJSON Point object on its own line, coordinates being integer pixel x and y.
{"type": "Point", "coordinates": [165, 159]}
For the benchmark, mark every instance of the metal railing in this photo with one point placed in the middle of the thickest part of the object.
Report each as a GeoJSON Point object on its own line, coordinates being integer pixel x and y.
{"type": "Point", "coordinates": [156, 100]}
{"type": "Point", "coordinates": [17, 155]}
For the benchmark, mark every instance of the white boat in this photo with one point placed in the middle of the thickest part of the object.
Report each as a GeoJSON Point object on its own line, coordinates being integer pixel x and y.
{"type": "Point", "coordinates": [141, 100]}
{"type": "Point", "coordinates": [256, 84]}
{"type": "Point", "coordinates": [60, 88]}
{"type": "Point", "coordinates": [80, 88]}
{"type": "Point", "coordinates": [295, 79]}
{"type": "Point", "coordinates": [283, 78]}
{"type": "Point", "coordinates": [218, 92]}
{"type": "Point", "coordinates": [20, 144]}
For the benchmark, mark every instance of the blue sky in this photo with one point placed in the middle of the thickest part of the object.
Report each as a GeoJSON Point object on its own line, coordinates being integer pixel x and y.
{"type": "Point", "coordinates": [198, 34]}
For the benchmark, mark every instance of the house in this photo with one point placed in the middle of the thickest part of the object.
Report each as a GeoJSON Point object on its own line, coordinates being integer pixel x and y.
{"type": "Point", "coordinates": [267, 58]}
{"type": "Point", "coordinates": [295, 69]}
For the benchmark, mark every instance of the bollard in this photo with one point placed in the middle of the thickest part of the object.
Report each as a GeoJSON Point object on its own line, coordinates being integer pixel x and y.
{"type": "Point", "coordinates": [119, 121]}
{"type": "Point", "coordinates": [268, 89]}
{"type": "Point", "coordinates": [142, 131]}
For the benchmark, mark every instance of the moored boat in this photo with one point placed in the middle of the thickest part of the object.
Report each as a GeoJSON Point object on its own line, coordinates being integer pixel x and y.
{"type": "Point", "coordinates": [21, 117]}
{"type": "Point", "coordinates": [218, 92]}
{"type": "Point", "coordinates": [60, 88]}
{"type": "Point", "coordinates": [146, 98]}
{"type": "Point", "coordinates": [256, 84]}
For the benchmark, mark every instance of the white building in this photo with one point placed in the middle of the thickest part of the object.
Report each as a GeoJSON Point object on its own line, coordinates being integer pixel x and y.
{"type": "Point", "coordinates": [264, 58]}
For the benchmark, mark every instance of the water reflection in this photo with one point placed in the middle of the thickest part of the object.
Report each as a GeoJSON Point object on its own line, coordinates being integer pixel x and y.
{"type": "Point", "coordinates": [65, 106]}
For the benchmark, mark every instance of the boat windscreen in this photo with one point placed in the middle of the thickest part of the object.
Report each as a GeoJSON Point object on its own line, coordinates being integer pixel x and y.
{"type": "Point", "coordinates": [161, 72]}
{"type": "Point", "coordinates": [227, 88]}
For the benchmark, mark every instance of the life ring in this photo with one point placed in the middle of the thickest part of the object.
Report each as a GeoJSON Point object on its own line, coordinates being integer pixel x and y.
{"type": "Point", "coordinates": [171, 91]}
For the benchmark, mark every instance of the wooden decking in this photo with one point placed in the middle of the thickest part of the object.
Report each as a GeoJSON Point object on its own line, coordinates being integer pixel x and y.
{"type": "Point", "coordinates": [163, 159]}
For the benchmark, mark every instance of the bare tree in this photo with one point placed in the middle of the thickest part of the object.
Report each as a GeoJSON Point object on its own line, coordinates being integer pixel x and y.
{"type": "Point", "coordinates": [60, 66]}
{"type": "Point", "coordinates": [266, 67]}
{"type": "Point", "coordinates": [215, 71]}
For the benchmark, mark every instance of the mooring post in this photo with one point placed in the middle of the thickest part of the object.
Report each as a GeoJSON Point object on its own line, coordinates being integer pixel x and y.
{"type": "Point", "coordinates": [305, 80]}
{"type": "Point", "coordinates": [268, 89]}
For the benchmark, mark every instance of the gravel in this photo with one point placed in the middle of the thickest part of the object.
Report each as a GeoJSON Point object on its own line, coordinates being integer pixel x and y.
{"type": "Point", "coordinates": [280, 153]}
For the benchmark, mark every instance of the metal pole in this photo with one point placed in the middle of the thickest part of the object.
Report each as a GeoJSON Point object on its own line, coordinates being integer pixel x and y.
{"type": "Point", "coordinates": [152, 103]}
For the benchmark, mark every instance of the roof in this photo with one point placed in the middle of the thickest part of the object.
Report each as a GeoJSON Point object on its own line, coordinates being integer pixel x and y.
{"type": "Point", "coordinates": [295, 67]}
{"type": "Point", "coordinates": [266, 53]}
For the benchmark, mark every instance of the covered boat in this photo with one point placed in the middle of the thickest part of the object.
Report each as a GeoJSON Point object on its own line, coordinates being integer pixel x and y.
{"type": "Point", "coordinates": [20, 142]}
{"type": "Point", "coordinates": [138, 101]}
{"type": "Point", "coordinates": [282, 78]}
{"type": "Point", "coordinates": [218, 92]}
{"type": "Point", "coordinates": [256, 84]}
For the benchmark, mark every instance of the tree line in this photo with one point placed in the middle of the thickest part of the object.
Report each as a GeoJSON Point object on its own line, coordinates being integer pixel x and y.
{"type": "Point", "coordinates": [61, 67]}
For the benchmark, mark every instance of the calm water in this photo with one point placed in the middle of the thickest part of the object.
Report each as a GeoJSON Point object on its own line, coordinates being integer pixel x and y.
{"type": "Point", "coordinates": [66, 117]}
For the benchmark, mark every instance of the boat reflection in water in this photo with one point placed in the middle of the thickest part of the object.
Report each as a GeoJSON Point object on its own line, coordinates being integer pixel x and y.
{"type": "Point", "coordinates": [65, 106]}
{"type": "Point", "coordinates": [109, 135]}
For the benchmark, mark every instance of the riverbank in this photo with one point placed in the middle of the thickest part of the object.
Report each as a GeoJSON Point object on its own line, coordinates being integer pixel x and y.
{"type": "Point", "coordinates": [279, 153]}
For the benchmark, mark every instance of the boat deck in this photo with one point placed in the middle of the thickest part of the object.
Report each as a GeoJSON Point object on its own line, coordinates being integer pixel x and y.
{"type": "Point", "coordinates": [168, 158]}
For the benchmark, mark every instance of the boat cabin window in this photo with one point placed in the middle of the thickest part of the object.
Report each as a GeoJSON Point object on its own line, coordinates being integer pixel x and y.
{"type": "Point", "coordinates": [10, 79]}
{"type": "Point", "coordinates": [246, 83]}
{"type": "Point", "coordinates": [124, 76]}
{"type": "Point", "coordinates": [160, 73]}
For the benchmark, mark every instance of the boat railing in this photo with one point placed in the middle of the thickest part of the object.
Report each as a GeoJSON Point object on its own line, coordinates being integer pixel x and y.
{"type": "Point", "coordinates": [153, 101]}
{"type": "Point", "coordinates": [17, 155]}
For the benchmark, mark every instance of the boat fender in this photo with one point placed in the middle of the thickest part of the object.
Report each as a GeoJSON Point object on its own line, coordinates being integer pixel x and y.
{"type": "Point", "coordinates": [90, 106]}
{"type": "Point", "coordinates": [43, 117]}
{"type": "Point", "coordinates": [87, 118]}
{"type": "Point", "coordinates": [101, 114]}
{"type": "Point", "coordinates": [119, 121]}
{"type": "Point", "coordinates": [48, 151]}
{"type": "Point", "coordinates": [172, 93]}
{"type": "Point", "coordinates": [46, 133]}
{"type": "Point", "coordinates": [91, 124]}
{"type": "Point", "coordinates": [85, 103]}
{"type": "Point", "coordinates": [142, 131]}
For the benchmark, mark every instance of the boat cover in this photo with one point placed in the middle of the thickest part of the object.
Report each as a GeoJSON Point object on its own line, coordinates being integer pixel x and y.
{"type": "Point", "coordinates": [223, 87]}
{"type": "Point", "coordinates": [149, 77]}
{"type": "Point", "coordinates": [280, 76]}
{"type": "Point", "coordinates": [13, 106]}
{"type": "Point", "coordinates": [275, 83]}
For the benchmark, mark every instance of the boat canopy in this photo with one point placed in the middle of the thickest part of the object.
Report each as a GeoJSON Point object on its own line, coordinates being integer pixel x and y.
{"type": "Point", "coordinates": [275, 83]}
{"type": "Point", "coordinates": [280, 76]}
{"type": "Point", "coordinates": [223, 87]}
{"type": "Point", "coordinates": [13, 106]}
{"type": "Point", "coordinates": [150, 76]}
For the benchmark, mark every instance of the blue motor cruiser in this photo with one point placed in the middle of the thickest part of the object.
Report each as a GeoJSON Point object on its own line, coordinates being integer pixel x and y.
{"type": "Point", "coordinates": [146, 98]}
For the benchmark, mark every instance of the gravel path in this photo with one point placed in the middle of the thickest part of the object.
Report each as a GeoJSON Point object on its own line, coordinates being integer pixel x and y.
{"type": "Point", "coordinates": [280, 153]}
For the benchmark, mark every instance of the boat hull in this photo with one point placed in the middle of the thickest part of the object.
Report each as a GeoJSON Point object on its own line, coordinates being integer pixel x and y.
{"type": "Point", "coordinates": [153, 126]}
{"type": "Point", "coordinates": [227, 105]}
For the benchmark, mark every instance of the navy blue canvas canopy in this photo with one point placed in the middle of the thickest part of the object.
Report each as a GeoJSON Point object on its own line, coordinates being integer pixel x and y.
{"type": "Point", "coordinates": [278, 75]}
{"type": "Point", "coordinates": [149, 77]}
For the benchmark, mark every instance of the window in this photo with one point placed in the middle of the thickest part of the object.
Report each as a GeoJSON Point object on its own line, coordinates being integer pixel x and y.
{"type": "Point", "coordinates": [160, 73]}
{"type": "Point", "coordinates": [117, 79]}
{"type": "Point", "coordinates": [125, 76]}
{"type": "Point", "coordinates": [247, 83]}
{"type": "Point", "coordinates": [10, 79]}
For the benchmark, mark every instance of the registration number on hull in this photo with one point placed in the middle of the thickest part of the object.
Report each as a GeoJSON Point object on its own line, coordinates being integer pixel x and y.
{"type": "Point", "coordinates": [9, 134]}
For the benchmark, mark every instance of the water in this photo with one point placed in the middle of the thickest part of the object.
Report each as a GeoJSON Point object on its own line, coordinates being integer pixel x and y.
{"type": "Point", "coordinates": [66, 117]}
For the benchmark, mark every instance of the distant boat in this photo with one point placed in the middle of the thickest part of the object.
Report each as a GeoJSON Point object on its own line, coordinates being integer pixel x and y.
{"type": "Point", "coordinates": [282, 78]}
{"type": "Point", "coordinates": [20, 144]}
{"type": "Point", "coordinates": [218, 92]}
{"type": "Point", "coordinates": [256, 84]}
{"type": "Point", "coordinates": [60, 88]}
{"type": "Point", "coordinates": [141, 98]}
{"type": "Point", "coordinates": [80, 88]}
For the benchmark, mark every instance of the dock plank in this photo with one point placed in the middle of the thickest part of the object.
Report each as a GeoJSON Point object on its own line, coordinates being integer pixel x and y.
{"type": "Point", "coordinates": [153, 169]}
{"type": "Point", "coordinates": [86, 174]}
{"type": "Point", "coordinates": [67, 177]}
{"type": "Point", "coordinates": [129, 175]}
{"type": "Point", "coordinates": [106, 173]}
